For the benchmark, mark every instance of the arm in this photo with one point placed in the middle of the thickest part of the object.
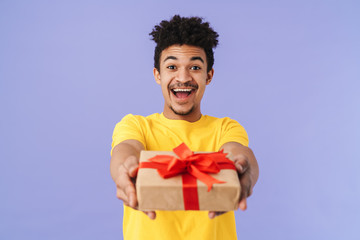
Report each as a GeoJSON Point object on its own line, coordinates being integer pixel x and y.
{"type": "Point", "coordinates": [248, 170]}
{"type": "Point", "coordinates": [123, 168]}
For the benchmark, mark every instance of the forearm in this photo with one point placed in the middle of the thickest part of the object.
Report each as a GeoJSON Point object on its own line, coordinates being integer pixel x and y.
{"type": "Point", "coordinates": [121, 152]}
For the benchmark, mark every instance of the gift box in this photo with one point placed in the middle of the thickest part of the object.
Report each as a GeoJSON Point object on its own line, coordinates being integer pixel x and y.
{"type": "Point", "coordinates": [183, 180]}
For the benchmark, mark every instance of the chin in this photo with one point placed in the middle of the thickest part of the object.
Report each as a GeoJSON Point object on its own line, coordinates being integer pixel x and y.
{"type": "Point", "coordinates": [182, 112]}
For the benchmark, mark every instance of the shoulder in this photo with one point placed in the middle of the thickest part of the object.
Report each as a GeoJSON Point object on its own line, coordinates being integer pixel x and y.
{"type": "Point", "coordinates": [230, 130]}
{"type": "Point", "coordinates": [137, 120]}
{"type": "Point", "coordinates": [225, 121]}
{"type": "Point", "coordinates": [132, 127]}
{"type": "Point", "coordinates": [133, 117]}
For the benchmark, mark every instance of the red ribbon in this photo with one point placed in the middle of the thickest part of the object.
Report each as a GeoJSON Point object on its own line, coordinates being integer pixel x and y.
{"type": "Point", "coordinates": [191, 166]}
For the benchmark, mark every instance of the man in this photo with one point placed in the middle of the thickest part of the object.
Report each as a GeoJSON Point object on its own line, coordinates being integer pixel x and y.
{"type": "Point", "coordinates": [183, 69]}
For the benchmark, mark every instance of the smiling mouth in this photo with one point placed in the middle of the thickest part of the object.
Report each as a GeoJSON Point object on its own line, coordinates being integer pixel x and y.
{"type": "Point", "coordinates": [182, 92]}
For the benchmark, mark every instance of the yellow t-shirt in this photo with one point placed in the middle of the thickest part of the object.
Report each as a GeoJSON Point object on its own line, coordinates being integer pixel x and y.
{"type": "Point", "coordinates": [157, 133]}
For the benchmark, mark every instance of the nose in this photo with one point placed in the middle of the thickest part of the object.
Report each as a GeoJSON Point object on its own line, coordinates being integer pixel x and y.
{"type": "Point", "coordinates": [183, 75]}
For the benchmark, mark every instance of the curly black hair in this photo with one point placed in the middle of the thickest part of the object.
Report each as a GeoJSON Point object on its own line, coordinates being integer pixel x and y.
{"type": "Point", "coordinates": [181, 30]}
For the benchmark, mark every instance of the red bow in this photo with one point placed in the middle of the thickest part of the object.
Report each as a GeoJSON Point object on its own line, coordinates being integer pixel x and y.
{"type": "Point", "coordinates": [192, 166]}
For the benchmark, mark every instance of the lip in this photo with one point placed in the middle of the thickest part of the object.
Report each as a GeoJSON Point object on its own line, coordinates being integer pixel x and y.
{"type": "Point", "coordinates": [187, 85]}
{"type": "Point", "coordinates": [182, 99]}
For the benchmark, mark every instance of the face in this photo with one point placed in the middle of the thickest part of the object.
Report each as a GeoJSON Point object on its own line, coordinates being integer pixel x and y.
{"type": "Point", "coordinates": [183, 77]}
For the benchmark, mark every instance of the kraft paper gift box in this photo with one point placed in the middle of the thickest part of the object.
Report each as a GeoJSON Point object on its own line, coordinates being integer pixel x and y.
{"type": "Point", "coordinates": [173, 193]}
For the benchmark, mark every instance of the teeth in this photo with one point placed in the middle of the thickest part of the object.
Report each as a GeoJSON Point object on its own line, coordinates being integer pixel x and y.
{"type": "Point", "coordinates": [182, 90]}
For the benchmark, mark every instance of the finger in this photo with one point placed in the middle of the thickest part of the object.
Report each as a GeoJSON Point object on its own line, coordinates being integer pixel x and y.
{"type": "Point", "coordinates": [150, 214]}
{"type": "Point", "coordinates": [125, 185]}
{"type": "Point", "coordinates": [245, 182]}
{"type": "Point", "coordinates": [243, 204]}
{"type": "Point", "coordinates": [131, 195]}
{"type": "Point", "coordinates": [122, 196]}
{"type": "Point", "coordinates": [241, 163]}
{"type": "Point", "coordinates": [213, 214]}
{"type": "Point", "coordinates": [250, 192]}
{"type": "Point", "coordinates": [131, 165]}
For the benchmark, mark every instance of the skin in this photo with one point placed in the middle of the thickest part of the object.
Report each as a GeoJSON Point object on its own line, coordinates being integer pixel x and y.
{"type": "Point", "coordinates": [181, 67]}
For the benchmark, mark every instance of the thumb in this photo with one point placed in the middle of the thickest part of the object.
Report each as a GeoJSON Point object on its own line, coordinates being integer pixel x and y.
{"type": "Point", "coordinates": [133, 171]}
{"type": "Point", "coordinates": [131, 164]}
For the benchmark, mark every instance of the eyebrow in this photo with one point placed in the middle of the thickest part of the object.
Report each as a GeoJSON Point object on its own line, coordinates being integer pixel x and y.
{"type": "Point", "coordinates": [192, 59]}
{"type": "Point", "coordinates": [170, 57]}
{"type": "Point", "coordinates": [197, 58]}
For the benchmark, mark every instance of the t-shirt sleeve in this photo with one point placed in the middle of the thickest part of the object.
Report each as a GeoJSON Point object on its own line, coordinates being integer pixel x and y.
{"type": "Point", "coordinates": [128, 128]}
{"type": "Point", "coordinates": [232, 131]}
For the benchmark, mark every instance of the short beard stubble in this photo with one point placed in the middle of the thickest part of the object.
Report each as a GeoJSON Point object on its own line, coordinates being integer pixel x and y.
{"type": "Point", "coordinates": [182, 113]}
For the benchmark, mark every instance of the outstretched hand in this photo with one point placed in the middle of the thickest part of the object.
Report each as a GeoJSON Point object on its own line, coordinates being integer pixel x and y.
{"type": "Point", "coordinates": [248, 171]}
{"type": "Point", "coordinates": [125, 184]}
{"type": "Point", "coordinates": [125, 187]}
{"type": "Point", "coordinates": [244, 173]}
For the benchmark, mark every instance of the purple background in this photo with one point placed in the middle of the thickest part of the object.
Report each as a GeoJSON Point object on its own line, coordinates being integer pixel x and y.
{"type": "Point", "coordinates": [288, 71]}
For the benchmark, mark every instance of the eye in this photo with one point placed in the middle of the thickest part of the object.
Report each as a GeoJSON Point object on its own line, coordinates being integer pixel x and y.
{"type": "Point", "coordinates": [195, 68]}
{"type": "Point", "coordinates": [171, 67]}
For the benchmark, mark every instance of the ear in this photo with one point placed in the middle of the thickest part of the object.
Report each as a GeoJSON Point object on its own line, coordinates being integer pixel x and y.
{"type": "Point", "coordinates": [209, 77]}
{"type": "Point", "coordinates": [156, 75]}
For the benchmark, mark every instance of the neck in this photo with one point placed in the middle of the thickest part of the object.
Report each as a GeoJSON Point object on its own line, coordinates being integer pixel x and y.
{"type": "Point", "coordinates": [191, 117]}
